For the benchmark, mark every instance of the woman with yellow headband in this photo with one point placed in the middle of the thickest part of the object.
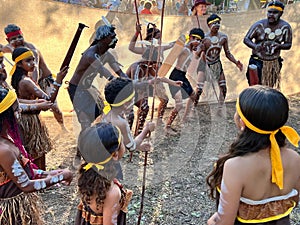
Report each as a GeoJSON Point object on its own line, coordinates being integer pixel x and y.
{"type": "Point", "coordinates": [103, 198]}
{"type": "Point", "coordinates": [19, 177]}
{"type": "Point", "coordinates": [34, 132]}
{"type": "Point", "coordinates": [257, 181]}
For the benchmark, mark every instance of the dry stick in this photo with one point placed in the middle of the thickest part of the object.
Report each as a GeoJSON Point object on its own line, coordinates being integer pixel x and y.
{"type": "Point", "coordinates": [152, 113]}
{"type": "Point", "coordinates": [138, 22]}
{"type": "Point", "coordinates": [198, 21]}
{"type": "Point", "coordinates": [137, 17]}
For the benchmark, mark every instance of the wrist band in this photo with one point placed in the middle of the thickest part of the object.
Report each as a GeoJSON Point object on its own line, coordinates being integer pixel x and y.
{"type": "Point", "coordinates": [137, 33]}
{"type": "Point", "coordinates": [57, 84]}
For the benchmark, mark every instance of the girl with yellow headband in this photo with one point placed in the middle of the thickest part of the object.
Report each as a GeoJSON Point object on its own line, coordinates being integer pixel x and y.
{"type": "Point", "coordinates": [119, 95]}
{"type": "Point", "coordinates": [34, 132]}
{"type": "Point", "coordinates": [103, 199]}
{"type": "Point", "coordinates": [19, 177]}
{"type": "Point", "coordinates": [258, 179]}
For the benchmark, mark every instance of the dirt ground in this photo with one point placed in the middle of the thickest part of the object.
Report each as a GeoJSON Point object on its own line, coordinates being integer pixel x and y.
{"type": "Point", "coordinates": [176, 192]}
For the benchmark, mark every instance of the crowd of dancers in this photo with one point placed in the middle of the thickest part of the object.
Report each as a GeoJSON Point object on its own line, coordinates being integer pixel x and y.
{"type": "Point", "coordinates": [257, 175]}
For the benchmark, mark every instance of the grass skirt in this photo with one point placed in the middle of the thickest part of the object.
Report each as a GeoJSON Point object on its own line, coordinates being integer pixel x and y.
{"type": "Point", "coordinates": [35, 135]}
{"type": "Point", "coordinates": [22, 209]}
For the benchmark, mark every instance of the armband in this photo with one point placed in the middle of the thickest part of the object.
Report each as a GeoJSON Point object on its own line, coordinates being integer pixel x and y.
{"type": "Point", "coordinates": [131, 146]}
{"type": "Point", "coordinates": [56, 84]}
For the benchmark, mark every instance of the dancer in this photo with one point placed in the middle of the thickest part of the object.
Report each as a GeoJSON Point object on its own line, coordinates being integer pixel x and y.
{"type": "Point", "coordinates": [34, 132]}
{"type": "Point", "coordinates": [41, 73]}
{"type": "Point", "coordinates": [19, 180]}
{"type": "Point", "coordinates": [86, 99]}
{"type": "Point", "coordinates": [258, 179]}
{"type": "Point", "coordinates": [196, 36]}
{"type": "Point", "coordinates": [103, 198]}
{"type": "Point", "coordinates": [119, 95]}
{"type": "Point", "coordinates": [145, 69]}
{"type": "Point", "coordinates": [267, 38]}
{"type": "Point", "coordinates": [212, 46]}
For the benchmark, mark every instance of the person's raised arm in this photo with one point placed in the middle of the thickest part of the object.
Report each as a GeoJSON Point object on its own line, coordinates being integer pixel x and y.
{"type": "Point", "coordinates": [132, 47]}
{"type": "Point", "coordinates": [43, 66]}
{"type": "Point", "coordinates": [30, 87]}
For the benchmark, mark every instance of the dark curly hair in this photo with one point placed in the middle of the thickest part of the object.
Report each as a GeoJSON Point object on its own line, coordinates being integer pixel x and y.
{"type": "Point", "coordinates": [117, 90]}
{"type": "Point", "coordinates": [19, 72]}
{"type": "Point", "coordinates": [266, 109]}
{"type": "Point", "coordinates": [96, 144]}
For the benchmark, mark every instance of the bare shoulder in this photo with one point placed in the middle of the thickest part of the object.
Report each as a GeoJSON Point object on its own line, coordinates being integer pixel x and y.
{"type": "Point", "coordinates": [291, 155]}
{"type": "Point", "coordinates": [113, 194]}
{"type": "Point", "coordinates": [26, 82]}
{"type": "Point", "coordinates": [31, 46]}
{"type": "Point", "coordinates": [5, 149]}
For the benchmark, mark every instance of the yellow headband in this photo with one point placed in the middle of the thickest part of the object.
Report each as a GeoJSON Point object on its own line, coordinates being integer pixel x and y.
{"type": "Point", "coordinates": [107, 106]}
{"type": "Point", "coordinates": [9, 99]}
{"type": "Point", "coordinates": [19, 58]}
{"type": "Point", "coordinates": [291, 135]}
{"type": "Point", "coordinates": [187, 37]}
{"type": "Point", "coordinates": [100, 165]}
{"type": "Point", "coordinates": [1, 54]}
{"type": "Point", "coordinates": [276, 7]}
{"type": "Point", "coordinates": [212, 21]}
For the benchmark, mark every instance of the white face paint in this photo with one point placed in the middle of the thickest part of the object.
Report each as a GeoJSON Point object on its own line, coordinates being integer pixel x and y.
{"type": "Point", "coordinates": [20, 173]}
{"type": "Point", "coordinates": [113, 42]}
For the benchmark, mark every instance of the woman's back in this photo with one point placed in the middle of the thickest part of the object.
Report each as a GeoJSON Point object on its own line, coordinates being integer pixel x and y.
{"type": "Point", "coordinates": [255, 171]}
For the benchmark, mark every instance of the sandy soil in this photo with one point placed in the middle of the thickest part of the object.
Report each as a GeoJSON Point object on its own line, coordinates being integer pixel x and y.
{"type": "Point", "coordinates": [176, 192]}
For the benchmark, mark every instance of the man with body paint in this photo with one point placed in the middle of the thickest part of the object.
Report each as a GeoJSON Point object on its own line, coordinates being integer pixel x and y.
{"type": "Point", "coordinates": [267, 38]}
{"type": "Point", "coordinates": [86, 99]}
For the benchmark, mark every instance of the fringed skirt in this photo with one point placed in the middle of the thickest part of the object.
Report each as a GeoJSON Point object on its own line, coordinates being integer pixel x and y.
{"type": "Point", "coordinates": [22, 209]}
{"type": "Point", "coordinates": [35, 135]}
{"type": "Point", "coordinates": [271, 74]}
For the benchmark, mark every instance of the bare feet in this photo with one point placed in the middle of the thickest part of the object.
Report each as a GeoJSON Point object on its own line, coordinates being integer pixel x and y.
{"type": "Point", "coordinates": [169, 131]}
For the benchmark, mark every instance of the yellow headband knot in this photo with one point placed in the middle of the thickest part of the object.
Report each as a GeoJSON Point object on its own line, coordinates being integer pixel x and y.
{"type": "Point", "coordinates": [291, 135]}
{"type": "Point", "coordinates": [19, 58]}
{"type": "Point", "coordinates": [100, 165]}
{"type": "Point", "coordinates": [107, 106]}
{"type": "Point", "coordinates": [9, 99]}
{"type": "Point", "coordinates": [212, 21]}
{"type": "Point", "coordinates": [276, 7]}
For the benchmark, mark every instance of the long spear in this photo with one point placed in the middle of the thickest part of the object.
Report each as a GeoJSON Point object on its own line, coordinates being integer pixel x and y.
{"type": "Point", "coordinates": [138, 22]}
{"type": "Point", "coordinates": [152, 113]}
